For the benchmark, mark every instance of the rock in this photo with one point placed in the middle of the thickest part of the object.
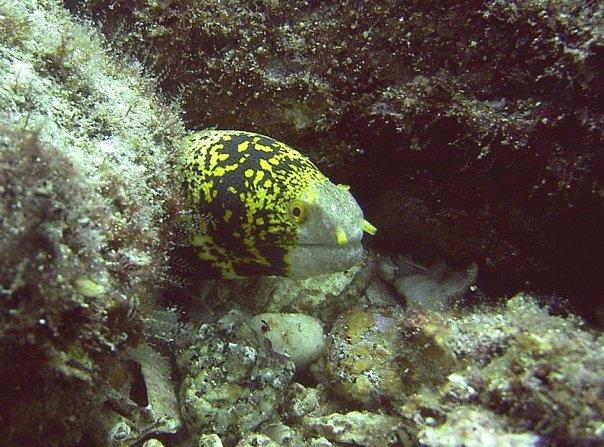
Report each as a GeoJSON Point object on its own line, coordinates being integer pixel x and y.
{"type": "Point", "coordinates": [319, 442]}
{"type": "Point", "coordinates": [297, 335]}
{"type": "Point", "coordinates": [379, 294]}
{"type": "Point", "coordinates": [276, 293]}
{"type": "Point", "coordinates": [435, 287]}
{"type": "Point", "coordinates": [474, 427]}
{"type": "Point", "coordinates": [257, 440]}
{"type": "Point", "coordinates": [302, 401]}
{"type": "Point", "coordinates": [161, 398]}
{"type": "Point", "coordinates": [84, 187]}
{"type": "Point", "coordinates": [142, 402]}
{"type": "Point", "coordinates": [231, 384]}
{"type": "Point", "coordinates": [551, 376]}
{"type": "Point", "coordinates": [539, 373]}
{"type": "Point", "coordinates": [357, 427]}
{"type": "Point", "coordinates": [209, 441]}
{"type": "Point", "coordinates": [153, 443]}
{"type": "Point", "coordinates": [387, 269]}
{"type": "Point", "coordinates": [329, 294]}
{"type": "Point", "coordinates": [378, 356]}
{"type": "Point", "coordinates": [282, 434]}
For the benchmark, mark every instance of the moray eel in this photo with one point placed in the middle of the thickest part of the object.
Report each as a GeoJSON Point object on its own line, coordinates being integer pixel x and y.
{"type": "Point", "coordinates": [261, 208]}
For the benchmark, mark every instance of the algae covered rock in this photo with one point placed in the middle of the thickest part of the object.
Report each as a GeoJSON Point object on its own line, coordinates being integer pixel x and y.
{"type": "Point", "coordinates": [84, 156]}
{"type": "Point", "coordinates": [257, 440]}
{"type": "Point", "coordinates": [550, 377]}
{"type": "Point", "coordinates": [536, 377]}
{"type": "Point", "coordinates": [303, 401]}
{"type": "Point", "coordinates": [318, 296]}
{"type": "Point", "coordinates": [307, 296]}
{"type": "Point", "coordinates": [376, 357]}
{"type": "Point", "coordinates": [142, 401]}
{"type": "Point", "coordinates": [209, 441]}
{"type": "Point", "coordinates": [540, 374]}
{"type": "Point", "coordinates": [297, 335]}
{"type": "Point", "coordinates": [472, 427]}
{"type": "Point", "coordinates": [230, 384]}
{"type": "Point", "coordinates": [357, 428]}
{"type": "Point", "coordinates": [153, 443]}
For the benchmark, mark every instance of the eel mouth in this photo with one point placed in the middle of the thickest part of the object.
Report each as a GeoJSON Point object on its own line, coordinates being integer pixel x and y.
{"type": "Point", "coordinates": [306, 260]}
{"type": "Point", "coordinates": [326, 250]}
{"type": "Point", "coordinates": [334, 245]}
{"type": "Point", "coordinates": [351, 244]}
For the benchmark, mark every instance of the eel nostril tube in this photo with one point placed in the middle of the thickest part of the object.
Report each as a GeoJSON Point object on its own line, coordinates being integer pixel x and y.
{"type": "Point", "coordinates": [341, 236]}
{"type": "Point", "coordinates": [367, 227]}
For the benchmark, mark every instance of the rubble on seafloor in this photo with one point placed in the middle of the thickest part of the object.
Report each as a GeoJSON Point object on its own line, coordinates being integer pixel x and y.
{"type": "Point", "coordinates": [394, 372]}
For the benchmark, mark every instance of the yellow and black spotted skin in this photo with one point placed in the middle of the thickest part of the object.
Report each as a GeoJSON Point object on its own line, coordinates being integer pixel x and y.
{"type": "Point", "coordinates": [263, 208]}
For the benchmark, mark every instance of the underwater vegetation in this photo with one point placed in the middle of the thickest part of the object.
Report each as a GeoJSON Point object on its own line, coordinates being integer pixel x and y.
{"type": "Point", "coordinates": [470, 135]}
{"type": "Point", "coordinates": [84, 149]}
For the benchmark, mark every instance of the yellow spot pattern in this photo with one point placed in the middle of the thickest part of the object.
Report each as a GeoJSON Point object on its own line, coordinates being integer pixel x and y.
{"type": "Point", "coordinates": [244, 182]}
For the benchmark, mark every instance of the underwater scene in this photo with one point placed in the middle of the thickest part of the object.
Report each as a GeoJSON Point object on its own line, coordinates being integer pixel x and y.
{"type": "Point", "coordinates": [248, 223]}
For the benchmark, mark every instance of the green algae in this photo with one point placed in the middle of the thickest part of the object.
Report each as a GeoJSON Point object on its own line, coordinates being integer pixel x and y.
{"type": "Point", "coordinates": [78, 206]}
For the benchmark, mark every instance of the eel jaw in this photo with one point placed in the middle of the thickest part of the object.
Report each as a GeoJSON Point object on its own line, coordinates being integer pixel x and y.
{"type": "Point", "coordinates": [341, 253]}
{"type": "Point", "coordinates": [305, 260]}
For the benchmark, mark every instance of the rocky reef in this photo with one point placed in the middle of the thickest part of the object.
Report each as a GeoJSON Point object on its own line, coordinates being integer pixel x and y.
{"type": "Point", "coordinates": [85, 146]}
{"type": "Point", "coordinates": [460, 375]}
{"type": "Point", "coordinates": [472, 136]}
{"type": "Point", "coordinates": [470, 132]}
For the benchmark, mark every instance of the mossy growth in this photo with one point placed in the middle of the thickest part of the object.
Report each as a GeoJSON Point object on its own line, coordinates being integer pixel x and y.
{"type": "Point", "coordinates": [84, 185]}
{"type": "Point", "coordinates": [44, 365]}
{"type": "Point", "coordinates": [14, 28]}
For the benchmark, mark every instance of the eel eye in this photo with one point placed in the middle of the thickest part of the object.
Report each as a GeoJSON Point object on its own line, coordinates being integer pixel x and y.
{"type": "Point", "coordinates": [297, 210]}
